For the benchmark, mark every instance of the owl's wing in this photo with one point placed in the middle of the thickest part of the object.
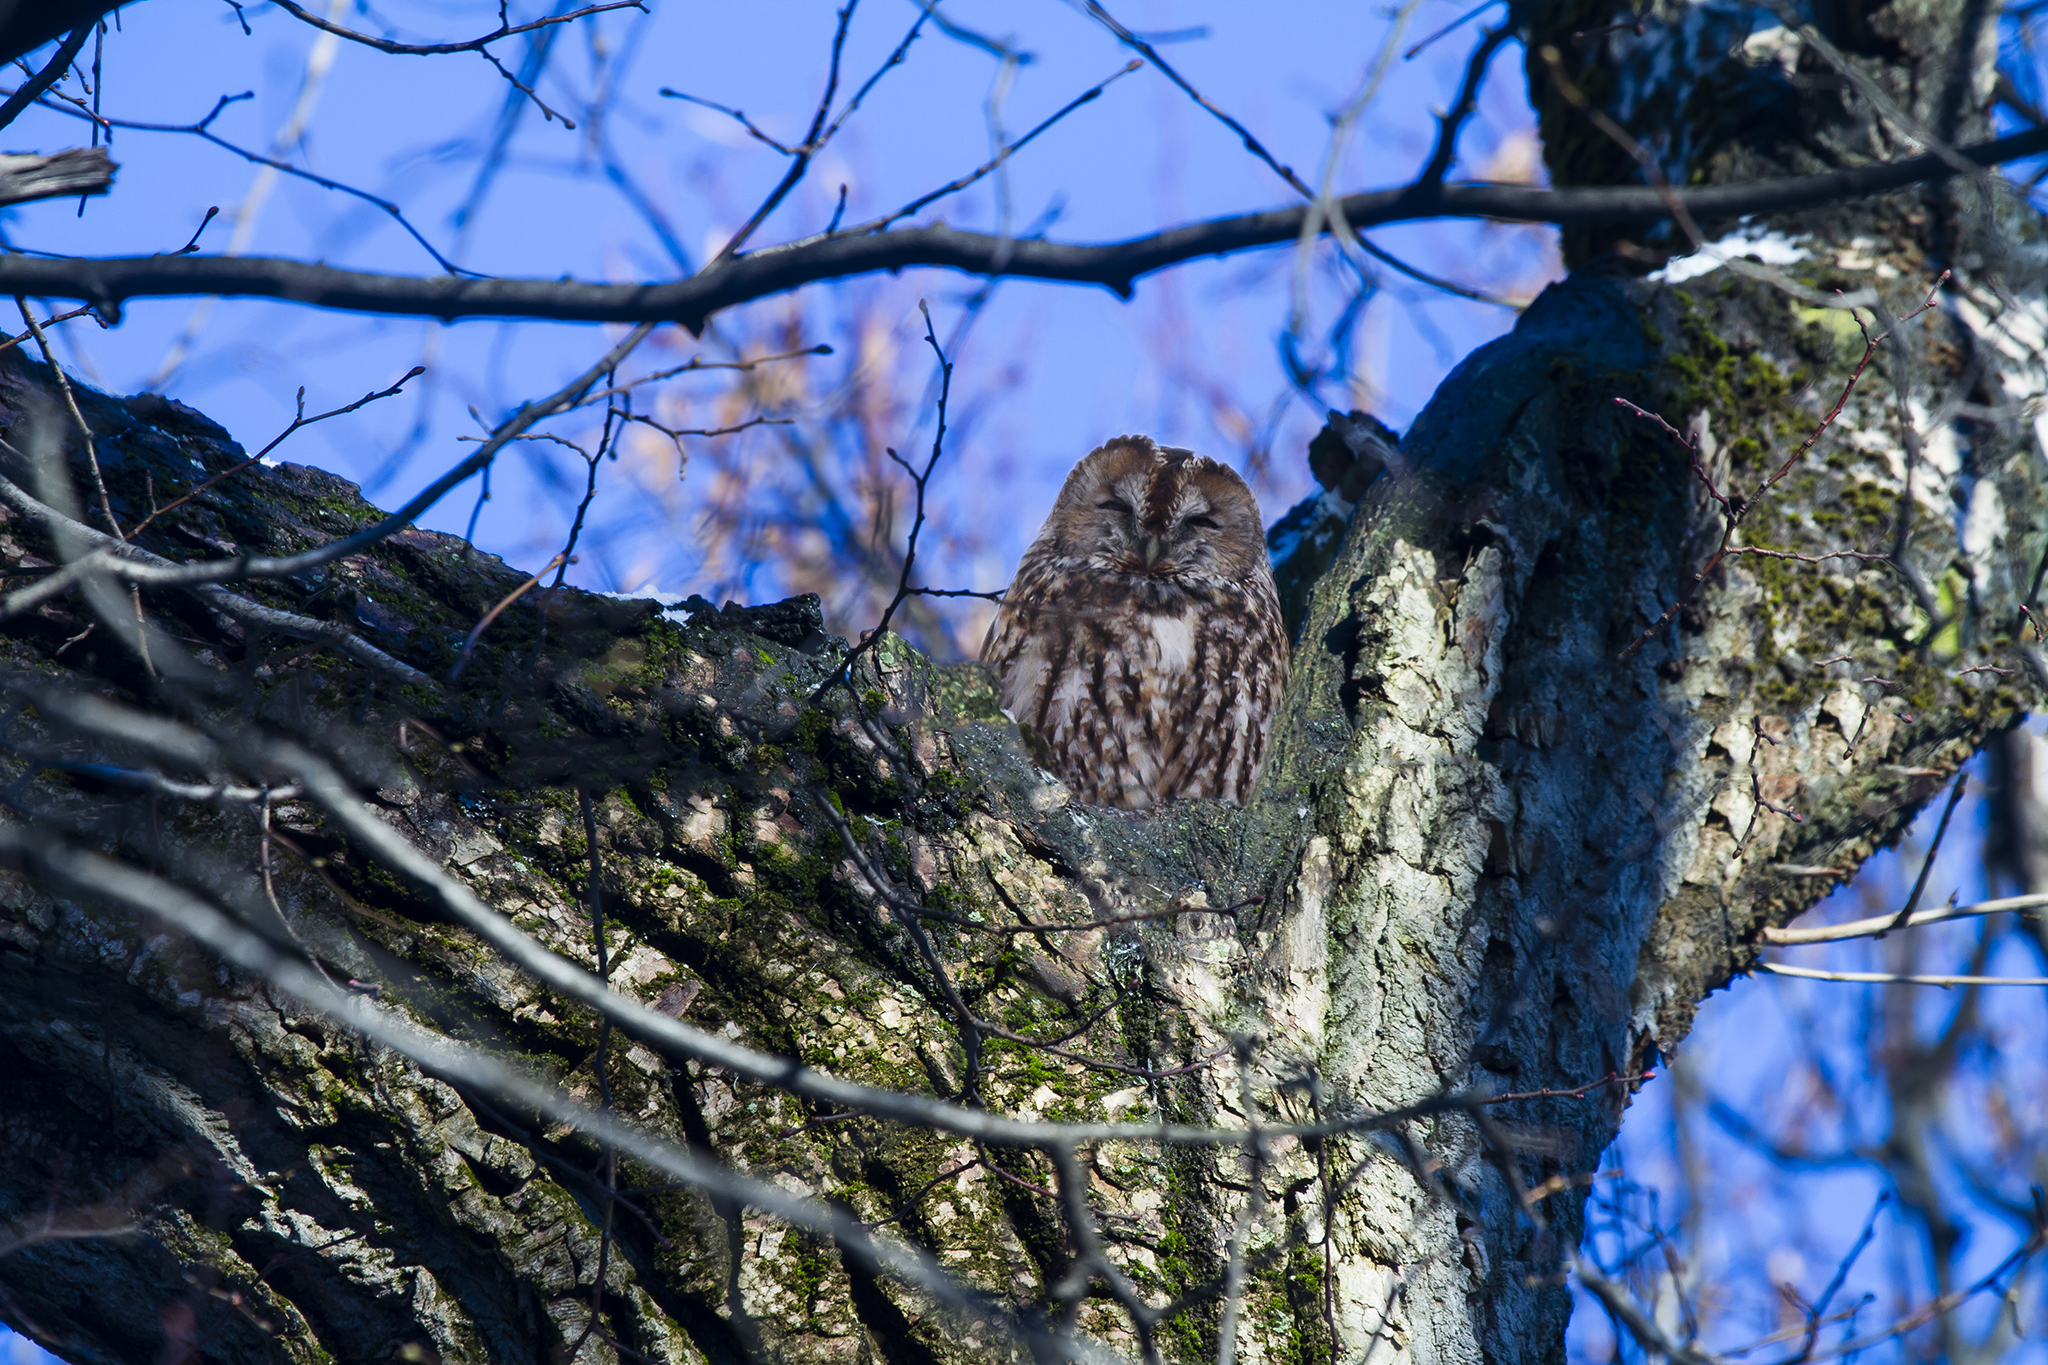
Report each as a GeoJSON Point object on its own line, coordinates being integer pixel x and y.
{"type": "Point", "coordinates": [1222, 710]}
{"type": "Point", "coordinates": [1065, 681]}
{"type": "Point", "coordinates": [989, 651]}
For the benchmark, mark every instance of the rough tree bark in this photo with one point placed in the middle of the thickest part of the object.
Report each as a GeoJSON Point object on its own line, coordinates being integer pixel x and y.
{"type": "Point", "coordinates": [1494, 853]}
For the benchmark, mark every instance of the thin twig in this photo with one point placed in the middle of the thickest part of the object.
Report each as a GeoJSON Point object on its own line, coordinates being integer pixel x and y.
{"type": "Point", "coordinates": [1905, 915]}
{"type": "Point", "coordinates": [954, 187]}
{"type": "Point", "coordinates": [820, 132]}
{"type": "Point", "coordinates": [1463, 291]}
{"type": "Point", "coordinates": [462, 658]}
{"type": "Point", "coordinates": [1467, 17]}
{"type": "Point", "coordinates": [1255, 1150]}
{"type": "Point", "coordinates": [1900, 979]}
{"type": "Point", "coordinates": [116, 559]}
{"type": "Point", "coordinates": [1323, 212]}
{"type": "Point", "coordinates": [203, 130]}
{"type": "Point", "coordinates": [1092, 1263]}
{"type": "Point", "coordinates": [1885, 923]}
{"type": "Point", "coordinates": [1630, 1314]}
{"type": "Point", "coordinates": [920, 481]}
{"type": "Point", "coordinates": [1944, 1304]}
{"type": "Point", "coordinates": [221, 793]}
{"type": "Point", "coordinates": [1452, 119]}
{"type": "Point", "coordinates": [1819, 1307]}
{"type": "Point", "coordinates": [139, 566]}
{"type": "Point", "coordinates": [731, 113]}
{"type": "Point", "coordinates": [503, 30]}
{"type": "Point", "coordinates": [50, 321]}
{"type": "Point", "coordinates": [1575, 1092]}
{"type": "Point", "coordinates": [92, 454]}
{"type": "Point", "coordinates": [1653, 173]}
{"type": "Point", "coordinates": [697, 363]}
{"type": "Point", "coordinates": [192, 242]}
{"type": "Point", "coordinates": [298, 421]}
{"type": "Point", "coordinates": [1151, 54]}
{"type": "Point", "coordinates": [32, 89]}
{"type": "Point", "coordinates": [1136, 917]}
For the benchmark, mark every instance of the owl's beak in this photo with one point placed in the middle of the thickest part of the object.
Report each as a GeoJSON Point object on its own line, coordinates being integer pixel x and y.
{"type": "Point", "coordinates": [1155, 550]}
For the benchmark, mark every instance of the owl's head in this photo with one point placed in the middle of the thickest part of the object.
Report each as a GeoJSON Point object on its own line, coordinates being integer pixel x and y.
{"type": "Point", "coordinates": [1133, 507]}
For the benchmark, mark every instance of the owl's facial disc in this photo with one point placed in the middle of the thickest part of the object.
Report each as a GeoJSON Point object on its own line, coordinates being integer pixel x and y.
{"type": "Point", "coordinates": [1140, 511]}
{"type": "Point", "coordinates": [1181, 536]}
{"type": "Point", "coordinates": [1123, 539]}
{"type": "Point", "coordinates": [1159, 536]}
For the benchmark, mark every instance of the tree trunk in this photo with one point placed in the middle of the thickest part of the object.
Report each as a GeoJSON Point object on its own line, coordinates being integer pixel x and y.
{"type": "Point", "coordinates": [1495, 849]}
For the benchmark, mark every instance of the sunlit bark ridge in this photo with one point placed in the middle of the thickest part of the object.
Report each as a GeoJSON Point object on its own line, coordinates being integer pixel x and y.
{"type": "Point", "coordinates": [1496, 850]}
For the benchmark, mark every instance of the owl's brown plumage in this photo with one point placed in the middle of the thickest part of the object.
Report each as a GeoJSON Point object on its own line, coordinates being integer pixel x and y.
{"type": "Point", "coordinates": [1141, 639]}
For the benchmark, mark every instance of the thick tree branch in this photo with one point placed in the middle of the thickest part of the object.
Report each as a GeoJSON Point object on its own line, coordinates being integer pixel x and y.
{"type": "Point", "coordinates": [59, 61]}
{"type": "Point", "coordinates": [31, 175]}
{"type": "Point", "coordinates": [107, 283]}
{"type": "Point", "coordinates": [25, 27]}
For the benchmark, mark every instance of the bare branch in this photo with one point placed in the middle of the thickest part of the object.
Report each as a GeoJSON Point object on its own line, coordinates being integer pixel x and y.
{"type": "Point", "coordinates": [697, 363]}
{"type": "Point", "coordinates": [1151, 54]}
{"type": "Point", "coordinates": [921, 481]}
{"type": "Point", "coordinates": [1467, 17]}
{"type": "Point", "coordinates": [1009, 150]}
{"type": "Point", "coordinates": [1630, 1314]}
{"type": "Point", "coordinates": [1900, 979]}
{"type": "Point", "coordinates": [209, 794]}
{"type": "Point", "coordinates": [1448, 124]}
{"type": "Point", "coordinates": [29, 93]}
{"type": "Point", "coordinates": [111, 558]}
{"type": "Point", "coordinates": [301, 420]}
{"type": "Point", "coordinates": [139, 566]}
{"type": "Point", "coordinates": [107, 282]}
{"type": "Point", "coordinates": [738, 115]}
{"type": "Point", "coordinates": [1955, 798]}
{"type": "Point", "coordinates": [1388, 258]}
{"type": "Point", "coordinates": [50, 321]}
{"type": "Point", "coordinates": [1110, 921]}
{"type": "Point", "coordinates": [821, 132]}
{"type": "Point", "coordinates": [92, 453]}
{"type": "Point", "coordinates": [203, 130]}
{"type": "Point", "coordinates": [324, 786]}
{"type": "Point", "coordinates": [306, 16]}
{"type": "Point", "coordinates": [1815, 1312]}
{"type": "Point", "coordinates": [1620, 137]}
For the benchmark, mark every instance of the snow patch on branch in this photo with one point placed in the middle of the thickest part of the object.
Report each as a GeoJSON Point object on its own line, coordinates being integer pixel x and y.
{"type": "Point", "coordinates": [1771, 248]}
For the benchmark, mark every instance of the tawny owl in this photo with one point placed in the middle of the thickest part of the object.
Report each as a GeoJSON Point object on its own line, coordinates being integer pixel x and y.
{"type": "Point", "coordinates": [1141, 640]}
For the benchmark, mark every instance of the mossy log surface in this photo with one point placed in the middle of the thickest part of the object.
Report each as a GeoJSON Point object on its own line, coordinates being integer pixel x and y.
{"type": "Point", "coordinates": [1487, 854]}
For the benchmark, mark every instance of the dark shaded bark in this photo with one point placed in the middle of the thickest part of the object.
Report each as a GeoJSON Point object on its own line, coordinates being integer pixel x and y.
{"type": "Point", "coordinates": [26, 25]}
